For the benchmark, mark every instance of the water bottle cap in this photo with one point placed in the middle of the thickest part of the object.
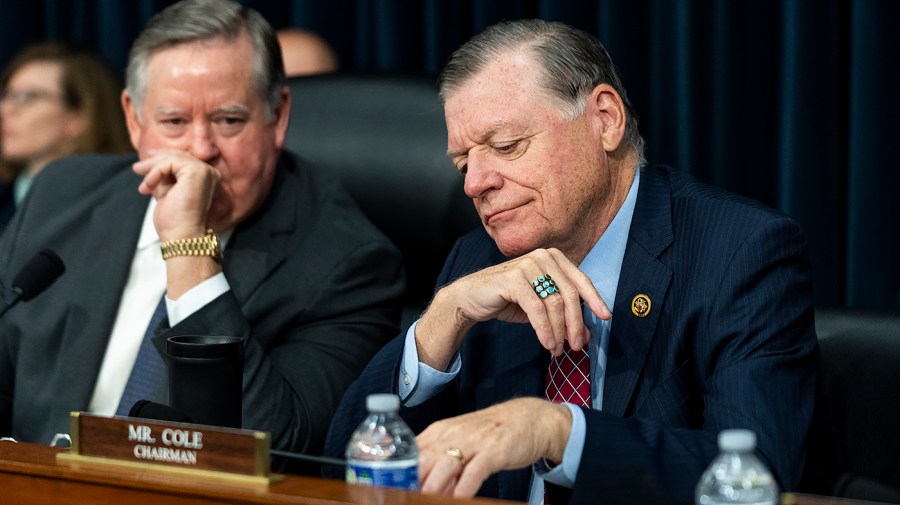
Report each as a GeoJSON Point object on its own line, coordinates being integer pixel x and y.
{"type": "Point", "coordinates": [737, 440]}
{"type": "Point", "coordinates": [383, 403]}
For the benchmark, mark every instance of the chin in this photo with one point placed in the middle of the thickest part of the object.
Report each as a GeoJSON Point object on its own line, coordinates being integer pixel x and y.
{"type": "Point", "coordinates": [513, 244]}
{"type": "Point", "coordinates": [513, 248]}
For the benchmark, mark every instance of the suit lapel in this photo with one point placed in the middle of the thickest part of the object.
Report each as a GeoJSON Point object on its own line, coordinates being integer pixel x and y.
{"type": "Point", "coordinates": [642, 274]}
{"type": "Point", "coordinates": [112, 232]}
{"type": "Point", "coordinates": [258, 244]}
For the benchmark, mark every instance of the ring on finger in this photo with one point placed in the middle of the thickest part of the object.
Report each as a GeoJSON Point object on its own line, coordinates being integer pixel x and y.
{"type": "Point", "coordinates": [454, 452]}
{"type": "Point", "coordinates": [544, 286]}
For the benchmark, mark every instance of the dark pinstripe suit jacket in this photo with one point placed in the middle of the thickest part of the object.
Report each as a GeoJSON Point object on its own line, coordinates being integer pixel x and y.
{"type": "Point", "coordinates": [728, 342]}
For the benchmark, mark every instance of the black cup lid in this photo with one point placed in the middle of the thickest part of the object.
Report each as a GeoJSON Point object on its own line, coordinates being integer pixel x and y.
{"type": "Point", "coordinates": [205, 346]}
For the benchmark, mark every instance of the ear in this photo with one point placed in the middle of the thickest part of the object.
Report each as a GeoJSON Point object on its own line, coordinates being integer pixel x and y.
{"type": "Point", "coordinates": [282, 114]}
{"type": "Point", "coordinates": [607, 114]}
{"type": "Point", "coordinates": [131, 120]}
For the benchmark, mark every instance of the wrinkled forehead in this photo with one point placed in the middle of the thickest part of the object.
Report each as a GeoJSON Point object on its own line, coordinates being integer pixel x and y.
{"type": "Point", "coordinates": [511, 83]}
{"type": "Point", "coordinates": [513, 79]}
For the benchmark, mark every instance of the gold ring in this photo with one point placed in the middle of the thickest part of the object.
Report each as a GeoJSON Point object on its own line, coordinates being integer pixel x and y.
{"type": "Point", "coordinates": [454, 452]}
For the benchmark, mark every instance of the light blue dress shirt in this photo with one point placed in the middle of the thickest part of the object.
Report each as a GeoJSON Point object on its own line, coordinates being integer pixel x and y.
{"type": "Point", "coordinates": [603, 264]}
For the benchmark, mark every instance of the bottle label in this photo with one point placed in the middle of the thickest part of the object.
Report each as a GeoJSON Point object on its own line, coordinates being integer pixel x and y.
{"type": "Point", "coordinates": [400, 474]}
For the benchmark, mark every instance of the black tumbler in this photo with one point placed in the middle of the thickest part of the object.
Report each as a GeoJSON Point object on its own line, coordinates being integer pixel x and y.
{"type": "Point", "coordinates": [205, 375]}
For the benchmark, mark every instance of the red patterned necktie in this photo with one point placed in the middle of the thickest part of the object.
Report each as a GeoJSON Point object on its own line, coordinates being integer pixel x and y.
{"type": "Point", "coordinates": [569, 378]}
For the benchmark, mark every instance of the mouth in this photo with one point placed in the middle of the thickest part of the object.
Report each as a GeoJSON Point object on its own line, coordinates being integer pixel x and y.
{"type": "Point", "coordinates": [499, 215]}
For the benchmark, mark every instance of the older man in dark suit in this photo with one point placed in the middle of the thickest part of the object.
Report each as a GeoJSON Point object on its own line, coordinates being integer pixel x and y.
{"type": "Point", "coordinates": [711, 324]}
{"type": "Point", "coordinates": [305, 278]}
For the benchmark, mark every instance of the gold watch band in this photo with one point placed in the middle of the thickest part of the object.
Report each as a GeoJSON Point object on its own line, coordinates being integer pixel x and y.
{"type": "Point", "coordinates": [207, 245]}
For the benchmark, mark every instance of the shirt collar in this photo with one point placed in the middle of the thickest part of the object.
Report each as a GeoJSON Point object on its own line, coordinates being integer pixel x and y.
{"type": "Point", "coordinates": [21, 185]}
{"type": "Point", "coordinates": [603, 262]}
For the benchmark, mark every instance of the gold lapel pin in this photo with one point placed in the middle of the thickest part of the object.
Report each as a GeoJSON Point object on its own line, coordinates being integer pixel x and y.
{"type": "Point", "coordinates": [640, 305]}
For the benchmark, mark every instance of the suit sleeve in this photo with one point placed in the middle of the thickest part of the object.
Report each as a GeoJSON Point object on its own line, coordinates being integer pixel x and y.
{"type": "Point", "coordinates": [295, 374]}
{"type": "Point", "coordinates": [757, 361]}
{"type": "Point", "coordinates": [380, 376]}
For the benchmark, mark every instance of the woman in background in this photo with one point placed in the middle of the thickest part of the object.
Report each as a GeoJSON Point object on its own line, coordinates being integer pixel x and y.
{"type": "Point", "coordinates": [55, 101]}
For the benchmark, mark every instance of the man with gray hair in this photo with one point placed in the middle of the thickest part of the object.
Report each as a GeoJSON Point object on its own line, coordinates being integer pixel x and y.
{"type": "Point", "coordinates": [519, 380]}
{"type": "Point", "coordinates": [309, 283]}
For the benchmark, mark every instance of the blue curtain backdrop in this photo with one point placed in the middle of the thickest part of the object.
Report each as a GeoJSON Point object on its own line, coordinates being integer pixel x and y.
{"type": "Point", "coordinates": [790, 102]}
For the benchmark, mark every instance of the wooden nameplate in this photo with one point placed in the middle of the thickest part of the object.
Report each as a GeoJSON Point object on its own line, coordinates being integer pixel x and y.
{"type": "Point", "coordinates": [198, 451]}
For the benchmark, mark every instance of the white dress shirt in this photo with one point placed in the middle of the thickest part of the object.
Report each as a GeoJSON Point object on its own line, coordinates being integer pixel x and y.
{"type": "Point", "coordinates": [145, 286]}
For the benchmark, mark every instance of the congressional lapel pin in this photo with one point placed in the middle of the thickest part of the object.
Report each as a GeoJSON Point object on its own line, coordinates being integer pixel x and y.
{"type": "Point", "coordinates": [640, 305]}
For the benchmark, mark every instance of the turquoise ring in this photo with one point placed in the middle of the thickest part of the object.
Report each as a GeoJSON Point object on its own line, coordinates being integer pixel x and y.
{"type": "Point", "coordinates": [544, 286]}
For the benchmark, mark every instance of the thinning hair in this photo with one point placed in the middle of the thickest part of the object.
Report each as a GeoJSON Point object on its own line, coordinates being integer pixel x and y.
{"type": "Point", "coordinates": [202, 20]}
{"type": "Point", "coordinates": [570, 63]}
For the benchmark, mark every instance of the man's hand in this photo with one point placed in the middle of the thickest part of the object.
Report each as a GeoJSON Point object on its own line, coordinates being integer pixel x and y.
{"type": "Point", "coordinates": [509, 435]}
{"type": "Point", "coordinates": [183, 187]}
{"type": "Point", "coordinates": [505, 292]}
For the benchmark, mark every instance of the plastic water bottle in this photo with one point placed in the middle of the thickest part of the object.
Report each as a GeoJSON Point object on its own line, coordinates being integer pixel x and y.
{"type": "Point", "coordinates": [737, 476]}
{"type": "Point", "coordinates": [382, 451]}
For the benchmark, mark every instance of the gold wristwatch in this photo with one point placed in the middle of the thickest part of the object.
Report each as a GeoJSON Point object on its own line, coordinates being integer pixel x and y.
{"type": "Point", "coordinates": [207, 245]}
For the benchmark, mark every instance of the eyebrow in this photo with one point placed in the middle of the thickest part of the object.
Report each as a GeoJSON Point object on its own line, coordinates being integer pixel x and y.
{"type": "Point", "coordinates": [228, 109]}
{"type": "Point", "coordinates": [455, 154]}
{"type": "Point", "coordinates": [482, 138]}
{"type": "Point", "coordinates": [234, 109]}
{"type": "Point", "coordinates": [165, 111]}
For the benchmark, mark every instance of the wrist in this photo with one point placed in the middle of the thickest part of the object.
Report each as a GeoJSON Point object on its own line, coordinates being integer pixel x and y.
{"type": "Point", "coordinates": [206, 244]}
{"type": "Point", "coordinates": [559, 419]}
{"type": "Point", "coordinates": [182, 232]}
{"type": "Point", "coordinates": [440, 331]}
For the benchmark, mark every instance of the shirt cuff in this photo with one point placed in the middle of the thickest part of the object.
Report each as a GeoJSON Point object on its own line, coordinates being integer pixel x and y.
{"type": "Point", "coordinates": [196, 298]}
{"type": "Point", "coordinates": [419, 382]}
{"type": "Point", "coordinates": [564, 474]}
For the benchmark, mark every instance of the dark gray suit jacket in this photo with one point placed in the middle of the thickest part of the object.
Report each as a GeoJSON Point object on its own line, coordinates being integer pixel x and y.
{"type": "Point", "coordinates": [7, 205]}
{"type": "Point", "coordinates": [314, 287]}
{"type": "Point", "coordinates": [729, 342]}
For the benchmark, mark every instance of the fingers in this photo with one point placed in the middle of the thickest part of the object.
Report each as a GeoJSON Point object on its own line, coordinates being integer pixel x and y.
{"type": "Point", "coordinates": [451, 478]}
{"type": "Point", "coordinates": [557, 318]}
{"type": "Point", "coordinates": [151, 184]}
{"type": "Point", "coordinates": [442, 472]}
{"type": "Point", "coordinates": [541, 271]}
{"type": "Point", "coordinates": [579, 288]}
{"type": "Point", "coordinates": [440, 465]}
{"type": "Point", "coordinates": [505, 436]}
{"type": "Point", "coordinates": [439, 472]}
{"type": "Point", "coordinates": [184, 188]}
{"type": "Point", "coordinates": [582, 285]}
{"type": "Point", "coordinates": [474, 473]}
{"type": "Point", "coordinates": [167, 166]}
{"type": "Point", "coordinates": [507, 292]}
{"type": "Point", "coordinates": [560, 327]}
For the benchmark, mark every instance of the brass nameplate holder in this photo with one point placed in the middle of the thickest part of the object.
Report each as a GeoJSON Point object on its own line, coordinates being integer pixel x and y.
{"type": "Point", "coordinates": [194, 450]}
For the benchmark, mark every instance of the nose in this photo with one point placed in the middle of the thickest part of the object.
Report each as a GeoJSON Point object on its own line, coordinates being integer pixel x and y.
{"type": "Point", "coordinates": [481, 175]}
{"type": "Point", "coordinates": [203, 143]}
